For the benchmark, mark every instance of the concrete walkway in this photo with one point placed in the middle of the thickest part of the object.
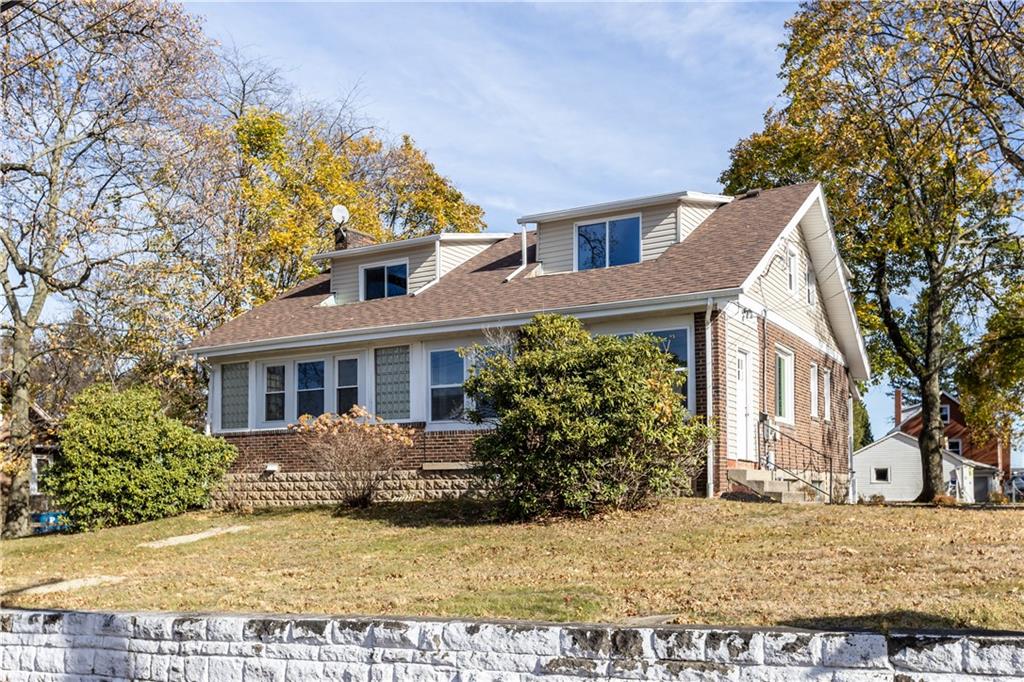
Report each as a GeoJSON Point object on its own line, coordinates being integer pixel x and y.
{"type": "Point", "coordinates": [194, 537]}
{"type": "Point", "coordinates": [69, 585]}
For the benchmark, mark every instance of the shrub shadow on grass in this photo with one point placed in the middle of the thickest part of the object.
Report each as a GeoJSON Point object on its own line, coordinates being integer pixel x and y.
{"type": "Point", "coordinates": [424, 514]}
{"type": "Point", "coordinates": [884, 621]}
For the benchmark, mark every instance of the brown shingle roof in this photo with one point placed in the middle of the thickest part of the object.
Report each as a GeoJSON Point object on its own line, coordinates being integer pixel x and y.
{"type": "Point", "coordinates": [719, 254]}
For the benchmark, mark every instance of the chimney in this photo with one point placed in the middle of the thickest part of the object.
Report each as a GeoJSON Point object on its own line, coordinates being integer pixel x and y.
{"type": "Point", "coordinates": [349, 238]}
{"type": "Point", "coordinates": [898, 413]}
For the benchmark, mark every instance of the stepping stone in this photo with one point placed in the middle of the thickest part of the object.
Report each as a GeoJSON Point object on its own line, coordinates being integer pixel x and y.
{"type": "Point", "coordinates": [194, 537]}
{"type": "Point", "coordinates": [69, 585]}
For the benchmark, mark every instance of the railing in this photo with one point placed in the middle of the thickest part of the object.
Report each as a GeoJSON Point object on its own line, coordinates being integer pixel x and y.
{"type": "Point", "coordinates": [778, 450]}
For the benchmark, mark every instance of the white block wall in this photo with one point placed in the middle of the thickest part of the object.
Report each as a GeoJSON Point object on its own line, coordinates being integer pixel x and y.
{"type": "Point", "coordinates": [55, 645]}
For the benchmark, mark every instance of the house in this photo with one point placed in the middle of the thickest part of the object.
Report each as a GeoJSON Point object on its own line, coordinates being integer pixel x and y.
{"type": "Point", "coordinates": [748, 293]}
{"type": "Point", "coordinates": [960, 439]}
{"type": "Point", "coordinates": [891, 467]}
{"type": "Point", "coordinates": [44, 446]}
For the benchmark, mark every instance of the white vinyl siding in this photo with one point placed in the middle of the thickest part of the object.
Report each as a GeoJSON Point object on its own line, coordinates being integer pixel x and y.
{"type": "Point", "coordinates": [899, 454]}
{"type": "Point", "coordinates": [345, 271]}
{"type": "Point", "coordinates": [454, 254]}
{"type": "Point", "coordinates": [556, 241]}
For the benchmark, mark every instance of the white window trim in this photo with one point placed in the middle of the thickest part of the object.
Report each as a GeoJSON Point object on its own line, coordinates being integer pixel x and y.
{"type": "Point", "coordinates": [944, 409]}
{"type": "Point", "coordinates": [430, 350]}
{"type": "Point", "coordinates": [214, 406]}
{"type": "Point", "coordinates": [788, 419]}
{"type": "Point", "coordinates": [360, 379]}
{"type": "Point", "coordinates": [949, 446]}
{"type": "Point", "coordinates": [875, 479]}
{"type": "Point", "coordinates": [687, 324]}
{"type": "Point", "coordinates": [814, 390]}
{"type": "Point", "coordinates": [415, 367]}
{"type": "Point", "coordinates": [261, 392]}
{"type": "Point", "coordinates": [791, 268]}
{"type": "Point", "coordinates": [384, 264]}
{"type": "Point", "coordinates": [828, 395]}
{"type": "Point", "coordinates": [576, 238]}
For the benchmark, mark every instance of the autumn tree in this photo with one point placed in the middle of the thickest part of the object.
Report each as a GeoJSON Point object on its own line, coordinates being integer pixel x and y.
{"type": "Point", "coordinates": [918, 193]}
{"type": "Point", "coordinates": [93, 96]}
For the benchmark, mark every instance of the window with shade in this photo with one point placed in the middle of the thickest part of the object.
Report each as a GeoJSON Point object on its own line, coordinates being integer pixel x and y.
{"type": "Point", "coordinates": [347, 380]}
{"type": "Point", "coordinates": [273, 393]}
{"type": "Point", "coordinates": [385, 281]}
{"type": "Point", "coordinates": [234, 395]}
{"type": "Point", "coordinates": [608, 243]}
{"type": "Point", "coordinates": [447, 397]}
{"type": "Point", "coordinates": [391, 382]}
{"type": "Point", "coordinates": [309, 388]}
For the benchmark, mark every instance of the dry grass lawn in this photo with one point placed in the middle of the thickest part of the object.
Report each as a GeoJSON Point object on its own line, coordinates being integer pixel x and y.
{"type": "Point", "coordinates": [710, 562]}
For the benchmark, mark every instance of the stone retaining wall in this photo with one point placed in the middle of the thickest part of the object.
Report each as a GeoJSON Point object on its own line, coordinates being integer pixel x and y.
{"type": "Point", "coordinates": [63, 645]}
{"type": "Point", "coordinates": [299, 488]}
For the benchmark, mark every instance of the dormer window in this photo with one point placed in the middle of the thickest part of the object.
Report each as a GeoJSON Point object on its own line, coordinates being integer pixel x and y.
{"type": "Point", "coordinates": [384, 280]}
{"type": "Point", "coordinates": [603, 244]}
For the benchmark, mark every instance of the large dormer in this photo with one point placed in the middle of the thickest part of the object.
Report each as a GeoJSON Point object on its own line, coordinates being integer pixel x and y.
{"type": "Point", "coordinates": [617, 232]}
{"type": "Point", "coordinates": [362, 271]}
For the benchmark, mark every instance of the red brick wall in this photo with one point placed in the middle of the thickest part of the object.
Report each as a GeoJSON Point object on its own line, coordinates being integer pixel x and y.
{"type": "Point", "coordinates": [829, 437]}
{"type": "Point", "coordinates": [256, 449]}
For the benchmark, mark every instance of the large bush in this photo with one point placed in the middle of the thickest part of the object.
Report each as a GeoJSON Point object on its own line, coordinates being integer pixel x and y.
{"type": "Point", "coordinates": [123, 461]}
{"type": "Point", "coordinates": [584, 423]}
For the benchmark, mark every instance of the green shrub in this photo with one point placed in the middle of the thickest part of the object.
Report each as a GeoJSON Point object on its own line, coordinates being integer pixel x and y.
{"type": "Point", "coordinates": [583, 423]}
{"type": "Point", "coordinates": [123, 461]}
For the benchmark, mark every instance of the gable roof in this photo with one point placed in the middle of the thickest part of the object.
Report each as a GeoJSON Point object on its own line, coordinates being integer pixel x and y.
{"type": "Point", "coordinates": [714, 260]}
{"type": "Point", "coordinates": [910, 441]}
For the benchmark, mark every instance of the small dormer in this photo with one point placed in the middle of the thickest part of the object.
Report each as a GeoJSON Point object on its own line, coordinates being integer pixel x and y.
{"type": "Point", "coordinates": [618, 232]}
{"type": "Point", "coordinates": [365, 271]}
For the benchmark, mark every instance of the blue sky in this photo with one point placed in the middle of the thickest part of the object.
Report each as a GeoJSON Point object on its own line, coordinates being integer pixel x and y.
{"type": "Point", "coordinates": [536, 107]}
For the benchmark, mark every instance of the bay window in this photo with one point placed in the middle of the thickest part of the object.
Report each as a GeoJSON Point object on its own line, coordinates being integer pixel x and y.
{"type": "Point", "coordinates": [309, 391]}
{"type": "Point", "coordinates": [391, 382]}
{"type": "Point", "coordinates": [234, 395]}
{"type": "Point", "coordinates": [447, 397]}
{"type": "Point", "coordinates": [347, 381]}
{"type": "Point", "coordinates": [675, 342]}
{"type": "Point", "coordinates": [608, 243]}
{"type": "Point", "coordinates": [273, 393]}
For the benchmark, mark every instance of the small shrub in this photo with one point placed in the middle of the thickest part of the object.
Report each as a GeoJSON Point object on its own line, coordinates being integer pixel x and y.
{"type": "Point", "coordinates": [358, 448]}
{"type": "Point", "coordinates": [874, 501]}
{"type": "Point", "coordinates": [584, 423]}
{"type": "Point", "coordinates": [123, 461]}
{"type": "Point", "coordinates": [996, 497]}
{"type": "Point", "coordinates": [942, 500]}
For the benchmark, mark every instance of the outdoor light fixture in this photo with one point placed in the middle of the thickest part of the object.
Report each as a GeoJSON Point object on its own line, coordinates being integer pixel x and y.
{"type": "Point", "coordinates": [271, 468]}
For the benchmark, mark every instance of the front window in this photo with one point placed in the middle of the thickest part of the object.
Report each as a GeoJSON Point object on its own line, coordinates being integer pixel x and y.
{"type": "Point", "coordinates": [676, 343]}
{"type": "Point", "coordinates": [347, 379]}
{"type": "Point", "coordinates": [784, 385]}
{"type": "Point", "coordinates": [310, 388]}
{"type": "Point", "coordinates": [391, 382]}
{"type": "Point", "coordinates": [385, 281]}
{"type": "Point", "coordinates": [273, 393]}
{"type": "Point", "coordinates": [608, 243]}
{"type": "Point", "coordinates": [234, 395]}
{"type": "Point", "coordinates": [447, 398]}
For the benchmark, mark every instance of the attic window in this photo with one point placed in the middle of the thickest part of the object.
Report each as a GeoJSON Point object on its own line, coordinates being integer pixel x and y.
{"type": "Point", "coordinates": [384, 280]}
{"type": "Point", "coordinates": [944, 413]}
{"type": "Point", "coordinates": [791, 262]}
{"type": "Point", "coordinates": [611, 242]}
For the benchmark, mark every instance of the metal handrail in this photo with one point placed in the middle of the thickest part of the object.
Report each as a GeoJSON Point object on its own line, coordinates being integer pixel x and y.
{"type": "Point", "coordinates": [762, 456]}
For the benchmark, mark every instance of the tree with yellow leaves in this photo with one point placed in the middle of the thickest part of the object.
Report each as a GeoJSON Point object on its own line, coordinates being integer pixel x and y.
{"type": "Point", "coordinates": [920, 195]}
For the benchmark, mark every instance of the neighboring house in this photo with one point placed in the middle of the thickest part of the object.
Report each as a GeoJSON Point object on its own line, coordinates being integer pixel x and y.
{"type": "Point", "coordinates": [748, 293]}
{"type": "Point", "coordinates": [44, 447]}
{"type": "Point", "coordinates": [891, 467]}
{"type": "Point", "coordinates": [960, 440]}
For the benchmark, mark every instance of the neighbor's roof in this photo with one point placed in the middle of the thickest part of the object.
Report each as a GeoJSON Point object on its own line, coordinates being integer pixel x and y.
{"type": "Point", "coordinates": [911, 443]}
{"type": "Point", "coordinates": [717, 257]}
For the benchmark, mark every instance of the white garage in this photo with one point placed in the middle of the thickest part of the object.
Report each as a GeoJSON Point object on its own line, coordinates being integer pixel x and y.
{"type": "Point", "coordinates": [891, 467]}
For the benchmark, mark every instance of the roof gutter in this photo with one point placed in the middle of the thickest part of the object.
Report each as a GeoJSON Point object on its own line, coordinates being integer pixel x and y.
{"type": "Point", "coordinates": [626, 204]}
{"type": "Point", "coordinates": [660, 303]}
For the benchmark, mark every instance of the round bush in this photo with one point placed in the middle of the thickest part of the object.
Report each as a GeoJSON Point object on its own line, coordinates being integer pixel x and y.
{"type": "Point", "coordinates": [123, 461]}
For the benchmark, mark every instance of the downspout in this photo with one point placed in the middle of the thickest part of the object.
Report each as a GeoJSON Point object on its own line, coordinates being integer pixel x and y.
{"type": "Point", "coordinates": [710, 399]}
{"type": "Point", "coordinates": [850, 480]}
{"type": "Point", "coordinates": [522, 262]}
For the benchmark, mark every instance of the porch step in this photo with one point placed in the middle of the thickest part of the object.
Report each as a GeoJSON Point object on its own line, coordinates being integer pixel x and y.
{"type": "Point", "coordinates": [777, 486]}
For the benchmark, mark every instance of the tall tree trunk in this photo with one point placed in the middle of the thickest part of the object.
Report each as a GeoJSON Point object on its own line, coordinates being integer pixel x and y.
{"type": "Point", "coordinates": [16, 511]}
{"type": "Point", "coordinates": [930, 441]}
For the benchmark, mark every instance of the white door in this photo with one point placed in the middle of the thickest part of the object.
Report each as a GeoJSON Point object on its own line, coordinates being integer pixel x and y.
{"type": "Point", "coordinates": [744, 428]}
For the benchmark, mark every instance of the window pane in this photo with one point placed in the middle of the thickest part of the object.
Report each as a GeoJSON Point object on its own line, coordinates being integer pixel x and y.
{"type": "Point", "coordinates": [624, 241]}
{"type": "Point", "coordinates": [397, 277]}
{"type": "Point", "coordinates": [234, 395]}
{"type": "Point", "coordinates": [446, 403]}
{"type": "Point", "coordinates": [391, 382]}
{"type": "Point", "coordinates": [780, 386]}
{"type": "Point", "coordinates": [674, 343]}
{"type": "Point", "coordinates": [275, 378]}
{"type": "Point", "coordinates": [445, 368]}
{"type": "Point", "coordinates": [310, 375]}
{"type": "Point", "coordinates": [348, 372]}
{"type": "Point", "coordinates": [347, 399]}
{"type": "Point", "coordinates": [590, 249]}
{"type": "Point", "coordinates": [273, 407]}
{"type": "Point", "coordinates": [373, 284]}
{"type": "Point", "coordinates": [310, 402]}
